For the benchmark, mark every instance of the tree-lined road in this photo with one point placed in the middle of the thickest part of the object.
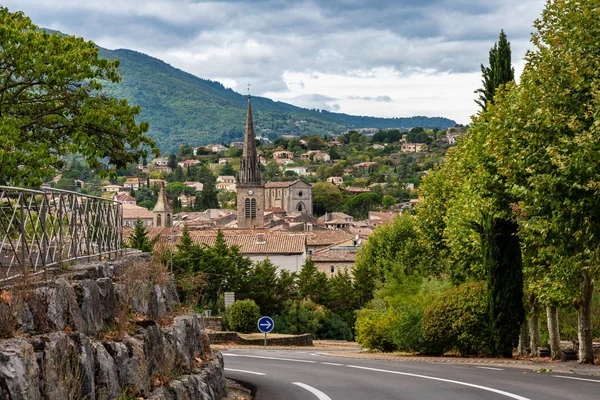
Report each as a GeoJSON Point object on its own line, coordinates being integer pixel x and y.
{"type": "Point", "coordinates": [296, 375]}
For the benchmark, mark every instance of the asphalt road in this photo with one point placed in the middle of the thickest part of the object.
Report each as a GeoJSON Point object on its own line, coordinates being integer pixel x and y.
{"type": "Point", "coordinates": [305, 375]}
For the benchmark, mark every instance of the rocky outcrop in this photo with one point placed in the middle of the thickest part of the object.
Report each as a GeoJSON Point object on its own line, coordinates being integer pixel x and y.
{"type": "Point", "coordinates": [65, 356]}
{"type": "Point", "coordinates": [64, 365]}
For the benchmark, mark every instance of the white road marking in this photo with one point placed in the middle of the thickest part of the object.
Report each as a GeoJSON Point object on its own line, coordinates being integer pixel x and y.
{"type": "Point", "coordinates": [335, 364]}
{"type": "Point", "coordinates": [493, 369]}
{"type": "Point", "coordinates": [579, 379]}
{"type": "Point", "coordinates": [320, 395]}
{"type": "Point", "coordinates": [315, 354]}
{"type": "Point", "coordinates": [269, 358]}
{"type": "Point", "coordinates": [244, 371]}
{"type": "Point", "coordinates": [489, 389]}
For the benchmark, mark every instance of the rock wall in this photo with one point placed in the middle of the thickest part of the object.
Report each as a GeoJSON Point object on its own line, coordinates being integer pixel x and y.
{"type": "Point", "coordinates": [62, 352]}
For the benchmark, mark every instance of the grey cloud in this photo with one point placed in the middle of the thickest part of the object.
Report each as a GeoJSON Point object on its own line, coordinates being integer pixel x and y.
{"type": "Point", "coordinates": [259, 41]}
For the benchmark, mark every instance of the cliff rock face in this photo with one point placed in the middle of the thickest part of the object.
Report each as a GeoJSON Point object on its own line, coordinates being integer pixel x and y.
{"type": "Point", "coordinates": [63, 353]}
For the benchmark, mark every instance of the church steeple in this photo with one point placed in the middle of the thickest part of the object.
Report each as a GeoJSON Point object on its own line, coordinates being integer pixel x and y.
{"type": "Point", "coordinates": [250, 188]}
{"type": "Point", "coordinates": [249, 166]}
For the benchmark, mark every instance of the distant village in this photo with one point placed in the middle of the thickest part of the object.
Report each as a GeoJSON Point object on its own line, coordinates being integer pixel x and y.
{"type": "Point", "coordinates": [276, 199]}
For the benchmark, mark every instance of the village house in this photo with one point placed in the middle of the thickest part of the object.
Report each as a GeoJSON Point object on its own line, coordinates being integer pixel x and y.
{"type": "Point", "coordinates": [160, 161]}
{"type": "Point", "coordinates": [134, 183]}
{"type": "Point", "coordinates": [316, 156]}
{"type": "Point", "coordinates": [283, 154]}
{"type": "Point", "coordinates": [112, 188]}
{"type": "Point", "coordinates": [125, 198]}
{"type": "Point", "coordinates": [226, 186]}
{"type": "Point", "coordinates": [287, 251]}
{"type": "Point", "coordinates": [336, 180]}
{"type": "Point", "coordinates": [225, 160]}
{"type": "Point", "coordinates": [413, 147]}
{"type": "Point", "coordinates": [335, 259]}
{"type": "Point", "coordinates": [226, 179]}
{"type": "Point", "coordinates": [196, 185]}
{"type": "Point", "coordinates": [364, 165]}
{"type": "Point", "coordinates": [336, 220]}
{"type": "Point", "coordinates": [378, 146]}
{"type": "Point", "coordinates": [216, 148]}
{"type": "Point", "coordinates": [237, 145]}
{"type": "Point", "coordinates": [188, 163]}
{"type": "Point", "coordinates": [284, 161]}
{"type": "Point", "coordinates": [298, 170]}
{"type": "Point", "coordinates": [131, 213]}
{"type": "Point", "coordinates": [334, 143]}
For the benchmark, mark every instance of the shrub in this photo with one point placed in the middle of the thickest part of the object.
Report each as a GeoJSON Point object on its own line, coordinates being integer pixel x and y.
{"type": "Point", "coordinates": [457, 320]}
{"type": "Point", "coordinates": [305, 317]}
{"type": "Point", "coordinates": [243, 316]}
{"type": "Point", "coordinates": [335, 328]}
{"type": "Point", "coordinates": [373, 329]}
{"type": "Point", "coordinates": [407, 332]}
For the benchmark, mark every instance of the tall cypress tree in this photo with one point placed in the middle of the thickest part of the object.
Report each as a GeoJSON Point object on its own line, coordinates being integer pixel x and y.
{"type": "Point", "coordinates": [499, 72]}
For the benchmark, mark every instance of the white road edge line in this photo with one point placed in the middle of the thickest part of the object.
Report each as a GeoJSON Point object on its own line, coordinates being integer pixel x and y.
{"type": "Point", "coordinates": [269, 358]}
{"type": "Point", "coordinates": [493, 369]}
{"type": "Point", "coordinates": [579, 379]}
{"type": "Point", "coordinates": [335, 364]}
{"type": "Point", "coordinates": [243, 371]}
{"type": "Point", "coordinates": [489, 389]}
{"type": "Point", "coordinates": [320, 395]}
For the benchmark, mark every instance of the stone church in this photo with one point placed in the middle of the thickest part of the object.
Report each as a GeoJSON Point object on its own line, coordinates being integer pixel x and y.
{"type": "Point", "coordinates": [253, 196]}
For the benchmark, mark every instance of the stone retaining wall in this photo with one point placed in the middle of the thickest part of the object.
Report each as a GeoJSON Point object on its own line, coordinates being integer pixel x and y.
{"type": "Point", "coordinates": [233, 337]}
{"type": "Point", "coordinates": [213, 323]}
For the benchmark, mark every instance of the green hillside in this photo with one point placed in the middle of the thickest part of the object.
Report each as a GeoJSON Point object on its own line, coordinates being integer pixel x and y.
{"type": "Point", "coordinates": [184, 109]}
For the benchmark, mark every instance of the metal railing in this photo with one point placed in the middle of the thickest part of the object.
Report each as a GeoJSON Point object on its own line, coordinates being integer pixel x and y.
{"type": "Point", "coordinates": [41, 229]}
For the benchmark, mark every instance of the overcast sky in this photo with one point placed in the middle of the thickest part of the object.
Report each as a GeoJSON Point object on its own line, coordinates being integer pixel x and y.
{"type": "Point", "coordinates": [392, 58]}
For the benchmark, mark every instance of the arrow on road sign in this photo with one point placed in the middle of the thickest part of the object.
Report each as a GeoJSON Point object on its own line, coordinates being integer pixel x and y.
{"type": "Point", "coordinates": [265, 324]}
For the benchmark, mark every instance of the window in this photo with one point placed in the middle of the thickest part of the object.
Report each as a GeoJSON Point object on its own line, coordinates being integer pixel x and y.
{"type": "Point", "coordinates": [158, 222]}
{"type": "Point", "coordinates": [309, 251]}
{"type": "Point", "coordinates": [331, 269]}
{"type": "Point", "coordinates": [300, 193]}
{"type": "Point", "coordinates": [253, 209]}
{"type": "Point", "coordinates": [247, 208]}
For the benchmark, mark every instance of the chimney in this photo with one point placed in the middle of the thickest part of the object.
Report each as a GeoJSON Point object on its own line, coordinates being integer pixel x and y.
{"type": "Point", "coordinates": [260, 238]}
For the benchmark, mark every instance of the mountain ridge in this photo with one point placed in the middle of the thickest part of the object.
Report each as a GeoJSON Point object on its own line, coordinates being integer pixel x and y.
{"type": "Point", "coordinates": [183, 108]}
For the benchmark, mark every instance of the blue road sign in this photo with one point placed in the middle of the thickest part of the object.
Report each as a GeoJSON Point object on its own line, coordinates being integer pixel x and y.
{"type": "Point", "coordinates": [265, 324]}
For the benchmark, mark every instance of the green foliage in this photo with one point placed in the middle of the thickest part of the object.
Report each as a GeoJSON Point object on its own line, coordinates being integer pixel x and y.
{"type": "Point", "coordinates": [139, 238]}
{"type": "Point", "coordinates": [373, 329]}
{"type": "Point", "coordinates": [504, 276]}
{"type": "Point", "coordinates": [342, 298]}
{"type": "Point", "coordinates": [458, 320]}
{"type": "Point", "coordinates": [52, 106]}
{"type": "Point", "coordinates": [326, 198]}
{"type": "Point", "coordinates": [243, 316]}
{"type": "Point", "coordinates": [265, 288]}
{"type": "Point", "coordinates": [500, 71]}
{"type": "Point", "coordinates": [393, 251]}
{"type": "Point", "coordinates": [335, 328]}
{"type": "Point", "coordinates": [359, 206]}
{"type": "Point", "coordinates": [303, 316]}
{"type": "Point", "coordinates": [312, 284]}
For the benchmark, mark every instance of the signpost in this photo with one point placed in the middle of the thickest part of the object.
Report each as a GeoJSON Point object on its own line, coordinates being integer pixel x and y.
{"type": "Point", "coordinates": [265, 325]}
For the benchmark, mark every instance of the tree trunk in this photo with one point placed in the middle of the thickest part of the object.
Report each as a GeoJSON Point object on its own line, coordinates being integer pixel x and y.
{"type": "Point", "coordinates": [552, 314]}
{"type": "Point", "coordinates": [584, 320]}
{"type": "Point", "coordinates": [534, 329]}
{"type": "Point", "coordinates": [523, 338]}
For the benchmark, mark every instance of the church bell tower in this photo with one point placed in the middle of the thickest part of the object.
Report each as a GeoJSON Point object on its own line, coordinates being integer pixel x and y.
{"type": "Point", "coordinates": [250, 187]}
